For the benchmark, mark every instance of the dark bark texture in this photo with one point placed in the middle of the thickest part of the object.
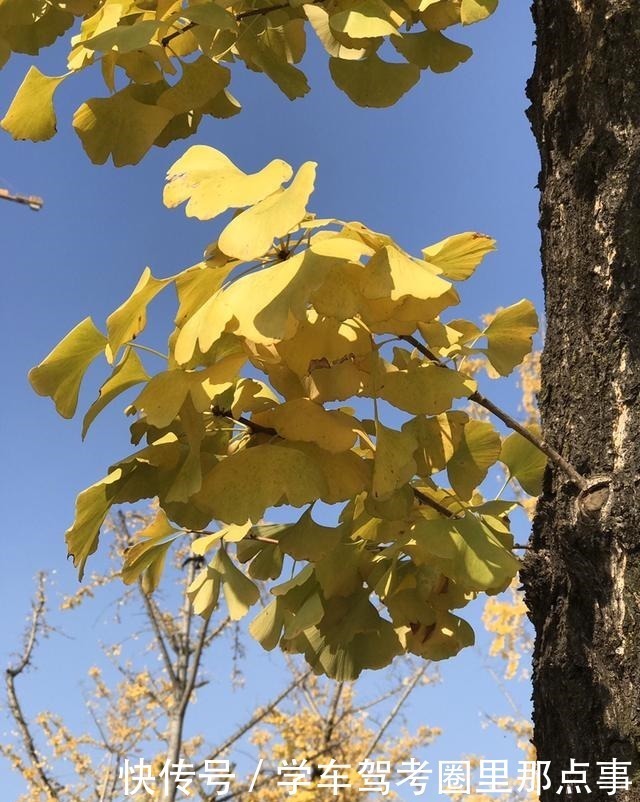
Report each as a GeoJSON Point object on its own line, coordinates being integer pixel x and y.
{"type": "Point", "coordinates": [582, 577]}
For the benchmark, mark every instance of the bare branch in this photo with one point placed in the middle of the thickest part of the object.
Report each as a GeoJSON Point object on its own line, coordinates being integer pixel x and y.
{"type": "Point", "coordinates": [396, 709]}
{"type": "Point", "coordinates": [36, 627]}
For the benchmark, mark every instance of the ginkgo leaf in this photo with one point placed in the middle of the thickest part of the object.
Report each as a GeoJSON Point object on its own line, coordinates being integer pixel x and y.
{"type": "Point", "coordinates": [292, 81]}
{"type": "Point", "coordinates": [126, 374]}
{"type": "Point", "coordinates": [5, 52]}
{"type": "Point", "coordinates": [263, 306]}
{"type": "Point", "coordinates": [442, 639]}
{"type": "Point", "coordinates": [509, 336]}
{"type": "Point", "coordinates": [130, 318]}
{"type": "Point", "coordinates": [92, 506]}
{"type": "Point", "coordinates": [162, 398]}
{"type": "Point", "coordinates": [319, 20]}
{"type": "Point", "coordinates": [204, 591]}
{"type": "Point", "coordinates": [239, 591]}
{"type": "Point", "coordinates": [266, 627]}
{"type": "Point", "coordinates": [440, 14]}
{"type": "Point", "coordinates": [31, 114]}
{"type": "Point", "coordinates": [431, 50]}
{"type": "Point", "coordinates": [458, 256]}
{"type": "Point", "coordinates": [394, 464]}
{"type": "Point", "coordinates": [437, 439]}
{"type": "Point", "coordinates": [123, 38]}
{"type": "Point", "coordinates": [305, 420]}
{"type": "Point", "coordinates": [390, 273]}
{"type": "Point", "coordinates": [60, 374]}
{"type": "Point", "coordinates": [428, 389]}
{"type": "Point", "coordinates": [209, 15]}
{"type": "Point", "coordinates": [475, 10]}
{"type": "Point", "coordinates": [251, 234]}
{"type": "Point", "coordinates": [373, 82]}
{"type": "Point", "coordinates": [477, 450]}
{"type": "Point", "coordinates": [287, 476]}
{"type": "Point", "coordinates": [119, 126]}
{"type": "Point", "coordinates": [308, 540]}
{"type": "Point", "coordinates": [211, 183]}
{"type": "Point", "coordinates": [364, 19]}
{"type": "Point", "coordinates": [147, 557]}
{"type": "Point", "coordinates": [201, 81]}
{"type": "Point", "coordinates": [525, 462]}
{"type": "Point", "coordinates": [468, 552]}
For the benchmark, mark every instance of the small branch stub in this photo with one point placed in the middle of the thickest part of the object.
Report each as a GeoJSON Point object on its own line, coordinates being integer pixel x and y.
{"type": "Point", "coordinates": [593, 497]}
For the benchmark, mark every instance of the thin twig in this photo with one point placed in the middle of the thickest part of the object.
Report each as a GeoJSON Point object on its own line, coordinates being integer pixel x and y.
{"type": "Point", "coordinates": [394, 712]}
{"type": "Point", "coordinates": [255, 719]}
{"type": "Point", "coordinates": [509, 421]}
{"type": "Point", "coordinates": [13, 702]}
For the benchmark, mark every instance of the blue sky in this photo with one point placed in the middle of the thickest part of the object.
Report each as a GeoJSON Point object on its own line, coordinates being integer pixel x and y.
{"type": "Point", "coordinates": [455, 154]}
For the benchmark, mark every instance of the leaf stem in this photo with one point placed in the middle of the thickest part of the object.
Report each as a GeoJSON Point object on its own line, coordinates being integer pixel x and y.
{"type": "Point", "coordinates": [147, 348]}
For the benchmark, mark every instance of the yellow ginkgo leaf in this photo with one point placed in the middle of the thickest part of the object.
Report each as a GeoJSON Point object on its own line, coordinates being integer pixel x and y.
{"type": "Point", "coordinates": [130, 318]}
{"type": "Point", "coordinates": [201, 81]}
{"type": "Point", "coordinates": [525, 462]}
{"type": "Point", "coordinates": [119, 126]}
{"type": "Point", "coordinates": [392, 274]}
{"type": "Point", "coordinates": [319, 21]}
{"type": "Point", "coordinates": [476, 451]}
{"type": "Point", "coordinates": [509, 336]}
{"type": "Point", "coordinates": [458, 256]}
{"type": "Point", "coordinates": [123, 38]}
{"type": "Point", "coordinates": [211, 183]}
{"type": "Point", "coordinates": [287, 476]}
{"type": "Point", "coordinates": [92, 506]}
{"type": "Point", "coordinates": [126, 374]}
{"type": "Point", "coordinates": [476, 10]}
{"type": "Point", "coordinates": [60, 374]}
{"type": "Point", "coordinates": [251, 234]}
{"type": "Point", "coordinates": [431, 50]}
{"type": "Point", "coordinates": [427, 389]}
{"type": "Point", "coordinates": [394, 464]}
{"type": "Point", "coordinates": [373, 82]}
{"type": "Point", "coordinates": [305, 420]}
{"type": "Point", "coordinates": [31, 114]}
{"type": "Point", "coordinates": [365, 19]}
{"type": "Point", "coordinates": [263, 306]}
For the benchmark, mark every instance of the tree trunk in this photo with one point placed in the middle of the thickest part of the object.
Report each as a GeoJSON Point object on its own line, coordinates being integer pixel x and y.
{"type": "Point", "coordinates": [582, 577]}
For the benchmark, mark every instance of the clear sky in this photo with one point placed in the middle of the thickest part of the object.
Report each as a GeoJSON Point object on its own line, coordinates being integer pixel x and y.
{"type": "Point", "coordinates": [455, 154]}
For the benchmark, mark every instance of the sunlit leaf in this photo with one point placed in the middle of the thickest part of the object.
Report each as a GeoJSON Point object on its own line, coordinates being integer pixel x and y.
{"type": "Point", "coordinates": [373, 82]}
{"type": "Point", "coordinates": [31, 114]}
{"type": "Point", "coordinates": [60, 374]}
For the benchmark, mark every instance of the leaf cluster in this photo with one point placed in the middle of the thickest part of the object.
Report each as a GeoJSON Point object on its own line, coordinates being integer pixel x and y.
{"type": "Point", "coordinates": [167, 64]}
{"type": "Point", "coordinates": [293, 377]}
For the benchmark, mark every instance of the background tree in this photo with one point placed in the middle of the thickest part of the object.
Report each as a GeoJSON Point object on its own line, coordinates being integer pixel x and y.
{"type": "Point", "coordinates": [143, 714]}
{"type": "Point", "coordinates": [582, 576]}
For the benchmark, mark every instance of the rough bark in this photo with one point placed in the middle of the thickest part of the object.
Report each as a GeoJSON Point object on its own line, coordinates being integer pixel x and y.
{"type": "Point", "coordinates": [582, 577]}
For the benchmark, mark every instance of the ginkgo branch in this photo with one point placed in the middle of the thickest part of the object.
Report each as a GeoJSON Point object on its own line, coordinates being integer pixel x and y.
{"type": "Point", "coordinates": [253, 12]}
{"type": "Point", "coordinates": [508, 420]}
